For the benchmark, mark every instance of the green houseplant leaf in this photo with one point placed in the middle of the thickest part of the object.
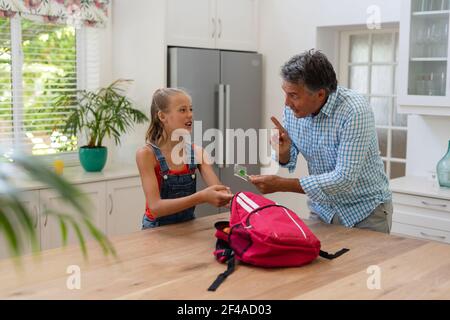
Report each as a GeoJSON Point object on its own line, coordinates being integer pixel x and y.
{"type": "Point", "coordinates": [16, 221]}
{"type": "Point", "coordinates": [106, 112]}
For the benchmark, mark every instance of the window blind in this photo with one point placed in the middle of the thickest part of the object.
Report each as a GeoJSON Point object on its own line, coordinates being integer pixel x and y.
{"type": "Point", "coordinates": [38, 63]}
{"type": "Point", "coordinates": [6, 110]}
{"type": "Point", "coordinates": [49, 69]}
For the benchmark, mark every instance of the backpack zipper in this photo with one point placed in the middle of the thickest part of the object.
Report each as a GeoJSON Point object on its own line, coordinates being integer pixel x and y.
{"type": "Point", "coordinates": [248, 225]}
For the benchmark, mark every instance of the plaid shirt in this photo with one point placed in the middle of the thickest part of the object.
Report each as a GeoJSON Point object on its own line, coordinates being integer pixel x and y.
{"type": "Point", "coordinates": [341, 148]}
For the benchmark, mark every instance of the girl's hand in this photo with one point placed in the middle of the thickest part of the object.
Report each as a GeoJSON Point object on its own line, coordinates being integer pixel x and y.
{"type": "Point", "coordinates": [228, 205]}
{"type": "Point", "coordinates": [217, 195]}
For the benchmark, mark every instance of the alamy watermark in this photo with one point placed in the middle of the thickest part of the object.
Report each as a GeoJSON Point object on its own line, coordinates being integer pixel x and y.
{"type": "Point", "coordinates": [373, 20]}
{"type": "Point", "coordinates": [73, 281]}
{"type": "Point", "coordinates": [374, 279]}
{"type": "Point", "coordinates": [234, 146]}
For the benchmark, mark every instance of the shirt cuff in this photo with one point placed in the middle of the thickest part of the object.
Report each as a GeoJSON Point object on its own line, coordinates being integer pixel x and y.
{"type": "Point", "coordinates": [292, 163]}
{"type": "Point", "coordinates": [312, 189]}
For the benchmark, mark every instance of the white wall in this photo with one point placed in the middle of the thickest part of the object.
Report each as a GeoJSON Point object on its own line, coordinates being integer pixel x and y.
{"type": "Point", "coordinates": [139, 53]}
{"type": "Point", "coordinates": [427, 143]}
{"type": "Point", "coordinates": [289, 27]}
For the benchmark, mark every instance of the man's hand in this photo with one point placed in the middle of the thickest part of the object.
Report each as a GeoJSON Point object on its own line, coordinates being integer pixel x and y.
{"type": "Point", "coordinates": [266, 184]}
{"type": "Point", "coordinates": [281, 142]}
{"type": "Point", "coordinates": [272, 183]}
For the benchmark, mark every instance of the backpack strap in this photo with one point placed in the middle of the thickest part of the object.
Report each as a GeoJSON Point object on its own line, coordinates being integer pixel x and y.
{"type": "Point", "coordinates": [223, 253]}
{"type": "Point", "coordinates": [221, 277]}
{"type": "Point", "coordinates": [331, 256]}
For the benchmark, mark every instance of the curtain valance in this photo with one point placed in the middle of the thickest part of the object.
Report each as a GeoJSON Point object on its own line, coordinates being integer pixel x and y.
{"type": "Point", "coordinates": [76, 12]}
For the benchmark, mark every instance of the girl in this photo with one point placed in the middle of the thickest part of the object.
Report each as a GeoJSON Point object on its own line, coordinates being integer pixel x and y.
{"type": "Point", "coordinates": [170, 188]}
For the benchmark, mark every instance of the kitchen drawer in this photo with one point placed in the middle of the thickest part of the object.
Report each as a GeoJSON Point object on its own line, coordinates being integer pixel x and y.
{"type": "Point", "coordinates": [422, 217]}
{"type": "Point", "coordinates": [402, 229]}
{"type": "Point", "coordinates": [423, 202]}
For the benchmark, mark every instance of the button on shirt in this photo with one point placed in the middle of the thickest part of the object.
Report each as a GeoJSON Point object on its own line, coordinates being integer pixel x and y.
{"type": "Point", "coordinates": [341, 148]}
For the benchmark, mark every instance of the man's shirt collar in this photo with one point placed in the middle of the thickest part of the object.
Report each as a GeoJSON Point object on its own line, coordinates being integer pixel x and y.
{"type": "Point", "coordinates": [328, 107]}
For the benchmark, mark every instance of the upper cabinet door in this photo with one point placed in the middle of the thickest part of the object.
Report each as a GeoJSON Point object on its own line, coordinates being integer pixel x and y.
{"type": "Point", "coordinates": [423, 60]}
{"type": "Point", "coordinates": [191, 23]}
{"type": "Point", "coordinates": [237, 25]}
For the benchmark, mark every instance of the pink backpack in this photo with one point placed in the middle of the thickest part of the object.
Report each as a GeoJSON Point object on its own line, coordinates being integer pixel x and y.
{"type": "Point", "coordinates": [265, 234]}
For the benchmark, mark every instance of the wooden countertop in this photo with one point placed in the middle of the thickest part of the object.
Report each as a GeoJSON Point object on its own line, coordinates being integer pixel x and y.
{"type": "Point", "coordinates": [176, 262]}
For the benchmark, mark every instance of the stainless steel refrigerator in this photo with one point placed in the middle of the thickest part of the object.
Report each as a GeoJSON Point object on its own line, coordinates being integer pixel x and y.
{"type": "Point", "coordinates": [226, 90]}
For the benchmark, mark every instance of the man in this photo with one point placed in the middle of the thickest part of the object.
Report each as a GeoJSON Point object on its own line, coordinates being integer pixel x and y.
{"type": "Point", "coordinates": [333, 128]}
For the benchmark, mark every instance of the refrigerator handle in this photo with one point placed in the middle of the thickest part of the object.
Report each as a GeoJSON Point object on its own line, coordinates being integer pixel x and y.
{"type": "Point", "coordinates": [227, 106]}
{"type": "Point", "coordinates": [221, 125]}
{"type": "Point", "coordinates": [227, 117]}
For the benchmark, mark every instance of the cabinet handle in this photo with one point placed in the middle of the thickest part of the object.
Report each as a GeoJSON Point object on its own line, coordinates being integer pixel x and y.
{"type": "Point", "coordinates": [434, 204]}
{"type": "Point", "coordinates": [36, 216]}
{"type": "Point", "coordinates": [220, 28]}
{"type": "Point", "coordinates": [44, 207]}
{"type": "Point", "coordinates": [432, 236]}
{"type": "Point", "coordinates": [214, 27]}
{"type": "Point", "coordinates": [111, 200]}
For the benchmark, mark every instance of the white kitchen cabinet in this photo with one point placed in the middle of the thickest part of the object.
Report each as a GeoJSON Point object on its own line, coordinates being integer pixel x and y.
{"type": "Point", "coordinates": [118, 204]}
{"type": "Point", "coordinates": [50, 227]}
{"type": "Point", "coordinates": [421, 209]}
{"type": "Point", "coordinates": [30, 199]}
{"type": "Point", "coordinates": [217, 24]}
{"type": "Point", "coordinates": [126, 206]}
{"type": "Point", "coordinates": [424, 86]}
{"type": "Point", "coordinates": [191, 23]}
{"type": "Point", "coordinates": [237, 25]}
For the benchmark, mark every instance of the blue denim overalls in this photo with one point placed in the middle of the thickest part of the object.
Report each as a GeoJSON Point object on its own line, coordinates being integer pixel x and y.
{"type": "Point", "coordinates": [172, 187]}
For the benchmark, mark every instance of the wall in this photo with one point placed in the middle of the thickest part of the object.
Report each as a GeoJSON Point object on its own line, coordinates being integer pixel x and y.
{"type": "Point", "coordinates": [138, 53]}
{"type": "Point", "coordinates": [289, 27]}
{"type": "Point", "coordinates": [427, 143]}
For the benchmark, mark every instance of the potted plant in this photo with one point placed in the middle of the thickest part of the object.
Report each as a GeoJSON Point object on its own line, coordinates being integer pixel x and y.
{"type": "Point", "coordinates": [106, 112]}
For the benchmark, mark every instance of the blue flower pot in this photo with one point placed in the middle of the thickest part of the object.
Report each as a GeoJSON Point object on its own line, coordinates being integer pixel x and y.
{"type": "Point", "coordinates": [93, 159]}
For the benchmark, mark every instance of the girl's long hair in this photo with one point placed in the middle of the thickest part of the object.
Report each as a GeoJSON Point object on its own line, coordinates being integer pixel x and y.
{"type": "Point", "coordinates": [160, 102]}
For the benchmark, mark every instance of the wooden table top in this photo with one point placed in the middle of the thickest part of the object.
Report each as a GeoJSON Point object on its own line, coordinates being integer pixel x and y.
{"type": "Point", "coordinates": [176, 262]}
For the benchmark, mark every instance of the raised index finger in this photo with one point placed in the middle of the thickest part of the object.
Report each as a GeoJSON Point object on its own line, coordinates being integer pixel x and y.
{"type": "Point", "coordinates": [277, 123]}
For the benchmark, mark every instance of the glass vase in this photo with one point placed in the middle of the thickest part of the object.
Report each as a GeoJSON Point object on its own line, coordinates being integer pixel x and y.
{"type": "Point", "coordinates": [443, 169]}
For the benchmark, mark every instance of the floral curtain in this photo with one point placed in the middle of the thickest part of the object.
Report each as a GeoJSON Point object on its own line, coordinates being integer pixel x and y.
{"type": "Point", "coordinates": [74, 12]}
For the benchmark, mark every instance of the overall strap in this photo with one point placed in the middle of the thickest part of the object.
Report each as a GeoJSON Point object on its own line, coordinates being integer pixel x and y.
{"type": "Point", "coordinates": [162, 161]}
{"type": "Point", "coordinates": [191, 153]}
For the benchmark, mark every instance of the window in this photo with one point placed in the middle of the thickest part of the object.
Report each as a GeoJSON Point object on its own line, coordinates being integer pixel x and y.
{"type": "Point", "coordinates": [38, 62]}
{"type": "Point", "coordinates": [368, 65]}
